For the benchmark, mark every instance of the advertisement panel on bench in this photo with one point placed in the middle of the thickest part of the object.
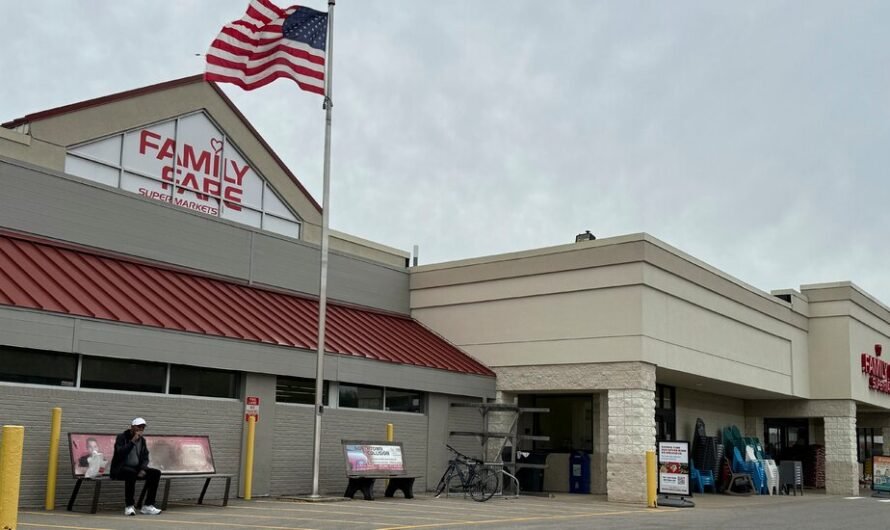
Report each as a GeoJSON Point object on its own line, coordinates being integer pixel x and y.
{"type": "Point", "coordinates": [373, 457]}
{"type": "Point", "coordinates": [673, 468]}
{"type": "Point", "coordinates": [91, 453]}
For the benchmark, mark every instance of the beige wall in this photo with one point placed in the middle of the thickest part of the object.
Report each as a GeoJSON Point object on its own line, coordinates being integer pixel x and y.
{"type": "Point", "coordinates": [845, 322]}
{"type": "Point", "coordinates": [717, 412]}
{"type": "Point", "coordinates": [630, 298]}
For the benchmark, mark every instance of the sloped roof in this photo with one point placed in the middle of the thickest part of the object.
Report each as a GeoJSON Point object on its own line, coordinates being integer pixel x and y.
{"type": "Point", "coordinates": [49, 276]}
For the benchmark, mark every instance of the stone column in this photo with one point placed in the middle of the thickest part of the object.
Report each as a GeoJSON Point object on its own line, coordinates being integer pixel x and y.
{"type": "Point", "coordinates": [600, 444]}
{"type": "Point", "coordinates": [841, 469]}
{"type": "Point", "coordinates": [631, 434]}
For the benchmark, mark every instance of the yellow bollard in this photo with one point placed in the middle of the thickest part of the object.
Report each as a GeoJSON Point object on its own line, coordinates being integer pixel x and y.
{"type": "Point", "coordinates": [10, 474]}
{"type": "Point", "coordinates": [389, 433]}
{"type": "Point", "coordinates": [53, 467]}
{"type": "Point", "coordinates": [248, 465]}
{"type": "Point", "coordinates": [651, 480]}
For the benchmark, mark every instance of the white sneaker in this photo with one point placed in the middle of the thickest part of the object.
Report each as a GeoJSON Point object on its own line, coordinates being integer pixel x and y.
{"type": "Point", "coordinates": [130, 510]}
{"type": "Point", "coordinates": [150, 510]}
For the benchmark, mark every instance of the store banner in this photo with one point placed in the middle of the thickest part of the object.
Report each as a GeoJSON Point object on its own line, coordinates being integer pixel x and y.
{"type": "Point", "coordinates": [881, 477]}
{"type": "Point", "coordinates": [673, 468]}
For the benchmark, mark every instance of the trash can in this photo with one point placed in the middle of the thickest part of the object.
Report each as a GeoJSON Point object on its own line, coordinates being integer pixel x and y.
{"type": "Point", "coordinates": [579, 472]}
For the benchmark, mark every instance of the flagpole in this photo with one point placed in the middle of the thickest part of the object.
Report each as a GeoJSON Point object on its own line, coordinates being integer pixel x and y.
{"type": "Point", "coordinates": [323, 275]}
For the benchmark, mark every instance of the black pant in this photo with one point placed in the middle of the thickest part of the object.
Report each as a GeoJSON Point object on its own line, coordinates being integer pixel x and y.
{"type": "Point", "coordinates": [130, 475]}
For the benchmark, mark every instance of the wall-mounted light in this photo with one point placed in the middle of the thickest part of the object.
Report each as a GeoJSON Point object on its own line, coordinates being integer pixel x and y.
{"type": "Point", "coordinates": [878, 348]}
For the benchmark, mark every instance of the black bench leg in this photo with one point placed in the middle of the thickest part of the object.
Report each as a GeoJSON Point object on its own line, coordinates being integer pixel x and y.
{"type": "Point", "coordinates": [167, 494]}
{"type": "Point", "coordinates": [363, 484]}
{"type": "Point", "coordinates": [74, 494]}
{"type": "Point", "coordinates": [203, 491]}
{"type": "Point", "coordinates": [226, 495]}
{"type": "Point", "coordinates": [368, 489]}
{"type": "Point", "coordinates": [351, 488]}
{"type": "Point", "coordinates": [406, 485]}
{"type": "Point", "coordinates": [95, 507]}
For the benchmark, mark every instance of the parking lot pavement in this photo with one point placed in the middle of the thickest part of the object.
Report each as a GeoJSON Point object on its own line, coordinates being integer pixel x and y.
{"type": "Point", "coordinates": [424, 512]}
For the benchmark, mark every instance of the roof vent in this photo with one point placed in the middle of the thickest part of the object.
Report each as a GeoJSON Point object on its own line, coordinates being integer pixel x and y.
{"type": "Point", "coordinates": [586, 236]}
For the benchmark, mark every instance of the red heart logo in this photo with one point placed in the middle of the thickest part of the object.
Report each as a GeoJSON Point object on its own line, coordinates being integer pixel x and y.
{"type": "Point", "coordinates": [216, 144]}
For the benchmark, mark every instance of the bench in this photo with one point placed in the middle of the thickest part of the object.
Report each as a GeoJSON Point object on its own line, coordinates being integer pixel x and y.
{"type": "Point", "coordinates": [367, 461]}
{"type": "Point", "coordinates": [176, 456]}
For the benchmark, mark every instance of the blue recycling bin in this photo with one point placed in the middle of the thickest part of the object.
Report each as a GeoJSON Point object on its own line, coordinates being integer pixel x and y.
{"type": "Point", "coordinates": [579, 472]}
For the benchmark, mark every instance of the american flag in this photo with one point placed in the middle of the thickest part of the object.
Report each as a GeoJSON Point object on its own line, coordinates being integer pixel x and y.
{"type": "Point", "coordinates": [269, 42]}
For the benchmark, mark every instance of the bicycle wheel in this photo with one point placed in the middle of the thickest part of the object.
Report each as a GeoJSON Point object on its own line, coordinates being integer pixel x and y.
{"type": "Point", "coordinates": [484, 485]}
{"type": "Point", "coordinates": [443, 482]}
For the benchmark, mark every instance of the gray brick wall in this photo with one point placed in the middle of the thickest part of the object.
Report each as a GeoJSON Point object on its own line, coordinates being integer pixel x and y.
{"type": "Point", "coordinates": [111, 412]}
{"type": "Point", "coordinates": [292, 452]}
{"type": "Point", "coordinates": [464, 419]}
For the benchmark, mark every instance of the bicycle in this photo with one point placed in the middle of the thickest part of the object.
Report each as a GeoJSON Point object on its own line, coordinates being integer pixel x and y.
{"type": "Point", "coordinates": [473, 475]}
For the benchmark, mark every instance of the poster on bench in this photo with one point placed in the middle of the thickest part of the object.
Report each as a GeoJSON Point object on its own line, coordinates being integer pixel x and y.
{"type": "Point", "coordinates": [168, 453]}
{"type": "Point", "coordinates": [364, 457]}
{"type": "Point", "coordinates": [95, 449]}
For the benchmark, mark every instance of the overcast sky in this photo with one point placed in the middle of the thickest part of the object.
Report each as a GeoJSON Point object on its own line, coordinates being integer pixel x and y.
{"type": "Point", "coordinates": [753, 135]}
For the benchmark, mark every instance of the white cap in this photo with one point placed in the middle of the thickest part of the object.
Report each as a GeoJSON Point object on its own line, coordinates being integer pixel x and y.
{"type": "Point", "coordinates": [138, 421]}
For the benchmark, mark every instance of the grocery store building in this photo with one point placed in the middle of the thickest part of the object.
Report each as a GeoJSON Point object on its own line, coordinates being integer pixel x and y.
{"type": "Point", "coordinates": [158, 259]}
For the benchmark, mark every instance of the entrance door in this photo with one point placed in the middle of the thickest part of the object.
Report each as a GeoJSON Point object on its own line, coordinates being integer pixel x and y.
{"type": "Point", "coordinates": [784, 435]}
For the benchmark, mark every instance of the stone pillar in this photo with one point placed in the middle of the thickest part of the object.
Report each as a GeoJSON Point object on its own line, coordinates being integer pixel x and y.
{"type": "Point", "coordinates": [841, 468]}
{"type": "Point", "coordinates": [601, 444]}
{"type": "Point", "coordinates": [631, 434]}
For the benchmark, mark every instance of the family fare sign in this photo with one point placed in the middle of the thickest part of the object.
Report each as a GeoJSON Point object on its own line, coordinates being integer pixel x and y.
{"type": "Point", "coordinates": [877, 370]}
{"type": "Point", "coordinates": [200, 172]}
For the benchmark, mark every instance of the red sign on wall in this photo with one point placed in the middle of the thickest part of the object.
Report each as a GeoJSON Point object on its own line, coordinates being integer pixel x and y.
{"type": "Point", "coordinates": [877, 370]}
{"type": "Point", "coordinates": [252, 408]}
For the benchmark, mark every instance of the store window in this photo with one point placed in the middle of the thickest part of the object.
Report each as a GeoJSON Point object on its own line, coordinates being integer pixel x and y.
{"type": "Point", "coordinates": [870, 442]}
{"type": "Point", "coordinates": [404, 400]}
{"type": "Point", "coordinates": [665, 413]}
{"type": "Point", "coordinates": [196, 381]}
{"type": "Point", "coordinates": [20, 365]}
{"type": "Point", "coordinates": [298, 390]}
{"type": "Point", "coordinates": [121, 374]}
{"type": "Point", "coordinates": [361, 397]}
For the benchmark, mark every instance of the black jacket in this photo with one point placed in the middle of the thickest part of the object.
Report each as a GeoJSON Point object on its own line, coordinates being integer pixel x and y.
{"type": "Point", "coordinates": [123, 444]}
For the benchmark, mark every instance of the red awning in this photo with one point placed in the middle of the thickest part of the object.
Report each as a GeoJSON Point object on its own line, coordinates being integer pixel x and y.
{"type": "Point", "coordinates": [48, 276]}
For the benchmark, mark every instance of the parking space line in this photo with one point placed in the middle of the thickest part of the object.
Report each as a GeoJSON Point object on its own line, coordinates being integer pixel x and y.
{"type": "Point", "coordinates": [44, 525]}
{"type": "Point", "coordinates": [158, 521]}
{"type": "Point", "coordinates": [512, 520]}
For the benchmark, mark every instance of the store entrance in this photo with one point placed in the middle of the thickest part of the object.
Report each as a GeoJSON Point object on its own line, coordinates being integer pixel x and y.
{"type": "Point", "coordinates": [556, 439]}
{"type": "Point", "coordinates": [786, 437]}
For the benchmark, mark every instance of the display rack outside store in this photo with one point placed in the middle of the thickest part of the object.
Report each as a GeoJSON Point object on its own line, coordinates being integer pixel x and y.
{"type": "Point", "coordinates": [511, 435]}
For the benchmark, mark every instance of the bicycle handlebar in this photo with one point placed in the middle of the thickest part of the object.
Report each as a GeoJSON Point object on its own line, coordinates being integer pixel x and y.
{"type": "Point", "coordinates": [463, 457]}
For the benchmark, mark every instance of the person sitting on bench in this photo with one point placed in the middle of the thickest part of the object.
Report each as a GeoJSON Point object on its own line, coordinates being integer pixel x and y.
{"type": "Point", "coordinates": [130, 463]}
